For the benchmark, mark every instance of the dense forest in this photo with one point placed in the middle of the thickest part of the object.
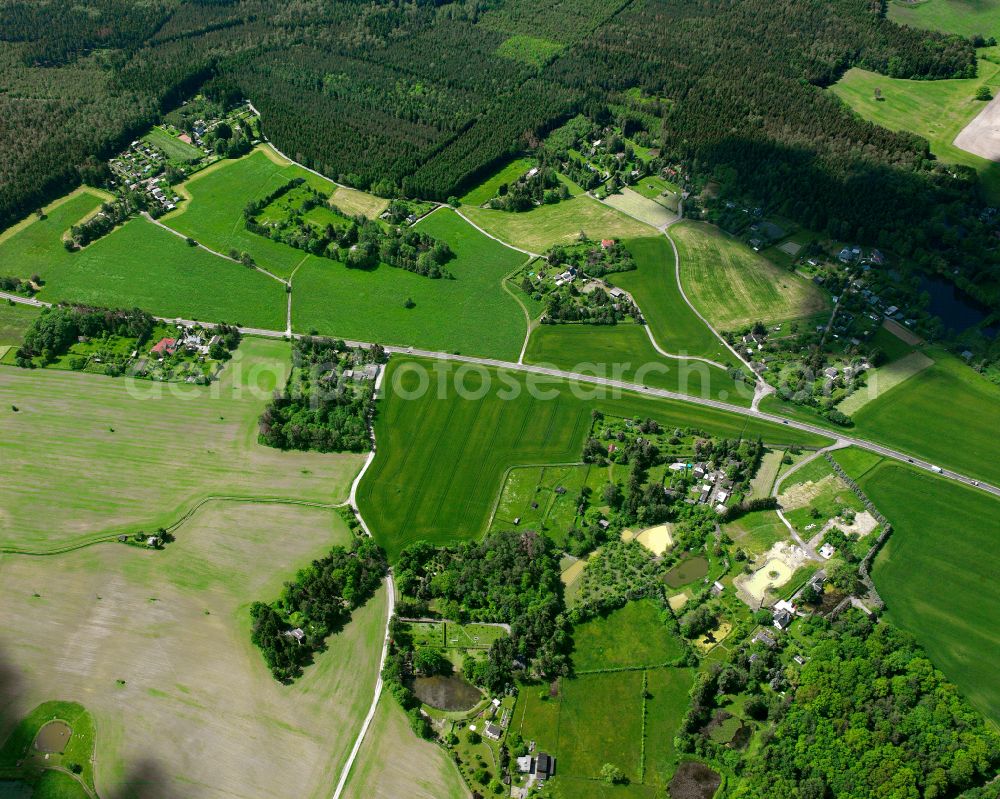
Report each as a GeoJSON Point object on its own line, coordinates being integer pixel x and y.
{"type": "Point", "coordinates": [416, 96]}
{"type": "Point", "coordinates": [871, 716]}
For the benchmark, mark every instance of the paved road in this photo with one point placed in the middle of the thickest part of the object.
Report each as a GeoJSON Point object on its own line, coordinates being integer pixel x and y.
{"type": "Point", "coordinates": [622, 385]}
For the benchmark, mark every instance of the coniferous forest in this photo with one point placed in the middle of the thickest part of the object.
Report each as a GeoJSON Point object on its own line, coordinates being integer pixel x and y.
{"type": "Point", "coordinates": [414, 97]}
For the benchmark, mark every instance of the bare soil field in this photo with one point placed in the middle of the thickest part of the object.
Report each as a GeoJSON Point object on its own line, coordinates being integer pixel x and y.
{"type": "Point", "coordinates": [156, 644]}
{"type": "Point", "coordinates": [982, 135]}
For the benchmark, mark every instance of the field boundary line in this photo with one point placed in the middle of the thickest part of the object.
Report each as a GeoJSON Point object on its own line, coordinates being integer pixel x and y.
{"type": "Point", "coordinates": [345, 771]}
{"type": "Point", "coordinates": [105, 537]}
{"type": "Point", "coordinates": [527, 314]}
{"type": "Point", "coordinates": [145, 215]}
{"type": "Point", "coordinates": [491, 236]}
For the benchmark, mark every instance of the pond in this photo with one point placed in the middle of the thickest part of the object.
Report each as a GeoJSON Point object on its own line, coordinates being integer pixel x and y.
{"type": "Point", "coordinates": [14, 790]}
{"type": "Point", "coordinates": [957, 310]}
{"type": "Point", "coordinates": [446, 693]}
{"type": "Point", "coordinates": [694, 781]}
{"type": "Point", "coordinates": [688, 570]}
{"type": "Point", "coordinates": [53, 737]}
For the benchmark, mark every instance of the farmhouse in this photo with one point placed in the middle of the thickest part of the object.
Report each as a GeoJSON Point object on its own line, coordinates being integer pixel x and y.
{"type": "Point", "coordinates": [298, 634]}
{"type": "Point", "coordinates": [493, 732]}
{"type": "Point", "coordinates": [765, 637]}
{"type": "Point", "coordinates": [165, 346]}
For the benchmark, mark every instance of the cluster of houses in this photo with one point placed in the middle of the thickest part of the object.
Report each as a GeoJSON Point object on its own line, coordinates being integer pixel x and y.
{"type": "Point", "coordinates": [712, 485]}
{"type": "Point", "coordinates": [538, 768]}
{"type": "Point", "coordinates": [188, 338]}
{"type": "Point", "coordinates": [139, 168]}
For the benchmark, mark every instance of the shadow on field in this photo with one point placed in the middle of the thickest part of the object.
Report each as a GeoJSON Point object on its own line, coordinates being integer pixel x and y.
{"type": "Point", "coordinates": [145, 779]}
{"type": "Point", "coordinates": [11, 685]}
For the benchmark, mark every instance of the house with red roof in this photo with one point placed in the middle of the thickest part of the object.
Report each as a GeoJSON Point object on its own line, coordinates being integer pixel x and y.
{"type": "Point", "coordinates": [165, 346]}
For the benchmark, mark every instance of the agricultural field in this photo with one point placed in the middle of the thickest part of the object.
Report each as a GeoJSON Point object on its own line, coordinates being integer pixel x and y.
{"type": "Point", "coordinates": [471, 314]}
{"type": "Point", "coordinates": [641, 207]}
{"type": "Point", "coordinates": [624, 352]}
{"type": "Point", "coordinates": [633, 636]}
{"type": "Point", "coordinates": [393, 762]}
{"type": "Point", "coordinates": [15, 319]}
{"type": "Point", "coordinates": [105, 455]}
{"type": "Point", "coordinates": [964, 17]}
{"type": "Point", "coordinates": [140, 264]}
{"type": "Point", "coordinates": [934, 109]}
{"type": "Point", "coordinates": [733, 286]}
{"type": "Point", "coordinates": [141, 636]}
{"type": "Point", "coordinates": [441, 459]}
{"type": "Point", "coordinates": [216, 196]}
{"type": "Point", "coordinates": [942, 413]}
{"type": "Point", "coordinates": [937, 573]}
{"type": "Point", "coordinates": [814, 494]}
{"type": "Point", "coordinates": [653, 285]}
{"type": "Point", "coordinates": [883, 379]}
{"type": "Point", "coordinates": [538, 229]}
{"type": "Point", "coordinates": [767, 473]}
{"type": "Point", "coordinates": [597, 718]}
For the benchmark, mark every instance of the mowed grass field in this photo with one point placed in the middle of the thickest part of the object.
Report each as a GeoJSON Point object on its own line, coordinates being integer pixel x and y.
{"type": "Point", "coordinates": [173, 148]}
{"type": "Point", "coordinates": [624, 352]}
{"type": "Point", "coordinates": [732, 286]}
{"type": "Point", "coordinates": [634, 635]}
{"type": "Point", "coordinates": [441, 456]}
{"type": "Point", "coordinates": [653, 285]}
{"type": "Point", "coordinates": [393, 762]}
{"type": "Point", "coordinates": [538, 229]}
{"type": "Point", "coordinates": [157, 644]}
{"type": "Point", "coordinates": [140, 264]}
{"type": "Point", "coordinates": [643, 208]}
{"type": "Point", "coordinates": [945, 413]}
{"type": "Point", "coordinates": [934, 109]}
{"type": "Point", "coordinates": [354, 202]}
{"type": "Point", "coordinates": [937, 573]}
{"type": "Point", "coordinates": [487, 190]}
{"type": "Point", "coordinates": [100, 457]}
{"type": "Point", "coordinates": [471, 314]}
{"type": "Point", "coordinates": [15, 319]}
{"type": "Point", "coordinates": [213, 212]}
{"type": "Point", "coordinates": [964, 17]}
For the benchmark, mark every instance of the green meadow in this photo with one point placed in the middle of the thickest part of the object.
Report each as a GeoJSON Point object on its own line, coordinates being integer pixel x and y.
{"type": "Point", "coordinates": [140, 264]}
{"type": "Point", "coordinates": [15, 319]}
{"type": "Point", "coordinates": [964, 17]}
{"type": "Point", "coordinates": [632, 636]}
{"type": "Point", "coordinates": [934, 109]}
{"type": "Point", "coordinates": [937, 573]}
{"type": "Point", "coordinates": [624, 352]}
{"type": "Point", "coordinates": [216, 196]}
{"type": "Point", "coordinates": [603, 717]}
{"type": "Point", "coordinates": [653, 285]}
{"type": "Point", "coordinates": [471, 314]}
{"type": "Point", "coordinates": [732, 286]}
{"type": "Point", "coordinates": [538, 229]}
{"type": "Point", "coordinates": [487, 190]}
{"type": "Point", "coordinates": [945, 413]}
{"type": "Point", "coordinates": [441, 458]}
{"type": "Point", "coordinates": [105, 455]}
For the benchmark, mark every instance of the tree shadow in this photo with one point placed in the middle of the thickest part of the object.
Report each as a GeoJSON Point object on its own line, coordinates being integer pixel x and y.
{"type": "Point", "coordinates": [146, 779]}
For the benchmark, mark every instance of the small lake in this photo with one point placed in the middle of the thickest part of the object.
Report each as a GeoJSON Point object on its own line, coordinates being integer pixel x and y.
{"type": "Point", "coordinates": [11, 789]}
{"type": "Point", "coordinates": [957, 310]}
{"type": "Point", "coordinates": [446, 693]}
{"type": "Point", "coordinates": [688, 570]}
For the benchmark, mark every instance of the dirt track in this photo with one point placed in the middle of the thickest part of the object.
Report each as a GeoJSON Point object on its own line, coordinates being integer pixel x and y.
{"type": "Point", "coordinates": [982, 135]}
